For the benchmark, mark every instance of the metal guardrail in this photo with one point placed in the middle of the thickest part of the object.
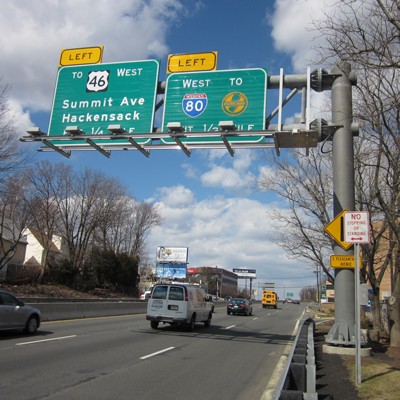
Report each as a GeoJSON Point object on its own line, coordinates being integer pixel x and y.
{"type": "Point", "coordinates": [299, 378]}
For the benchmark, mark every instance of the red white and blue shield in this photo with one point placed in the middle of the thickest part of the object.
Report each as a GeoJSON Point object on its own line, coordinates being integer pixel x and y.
{"type": "Point", "coordinates": [194, 104]}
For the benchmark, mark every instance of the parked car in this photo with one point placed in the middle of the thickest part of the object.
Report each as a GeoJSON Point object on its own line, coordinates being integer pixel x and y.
{"type": "Point", "coordinates": [239, 306]}
{"type": "Point", "coordinates": [211, 301]}
{"type": "Point", "coordinates": [178, 304]}
{"type": "Point", "coordinates": [15, 315]}
{"type": "Point", "coordinates": [146, 294]}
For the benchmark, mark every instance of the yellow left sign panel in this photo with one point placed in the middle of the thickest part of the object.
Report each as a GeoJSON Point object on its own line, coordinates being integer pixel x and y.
{"type": "Point", "coordinates": [85, 55]}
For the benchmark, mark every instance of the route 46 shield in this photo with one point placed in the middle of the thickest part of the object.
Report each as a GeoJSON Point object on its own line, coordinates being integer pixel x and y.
{"type": "Point", "coordinates": [97, 81]}
{"type": "Point", "coordinates": [194, 104]}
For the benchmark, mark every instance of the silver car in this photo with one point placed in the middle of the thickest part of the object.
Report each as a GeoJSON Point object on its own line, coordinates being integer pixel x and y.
{"type": "Point", "coordinates": [15, 315]}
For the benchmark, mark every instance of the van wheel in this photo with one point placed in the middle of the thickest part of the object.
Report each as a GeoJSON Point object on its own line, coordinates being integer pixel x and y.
{"type": "Point", "coordinates": [207, 323]}
{"type": "Point", "coordinates": [154, 324]}
{"type": "Point", "coordinates": [192, 323]}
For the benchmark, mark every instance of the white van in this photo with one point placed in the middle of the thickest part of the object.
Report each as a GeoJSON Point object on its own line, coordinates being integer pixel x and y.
{"type": "Point", "coordinates": [178, 304]}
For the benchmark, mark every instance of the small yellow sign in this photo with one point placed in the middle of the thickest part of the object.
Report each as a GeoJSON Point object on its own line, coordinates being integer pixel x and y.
{"type": "Point", "coordinates": [84, 55]}
{"type": "Point", "coordinates": [345, 261]}
{"type": "Point", "coordinates": [192, 62]}
{"type": "Point", "coordinates": [335, 230]}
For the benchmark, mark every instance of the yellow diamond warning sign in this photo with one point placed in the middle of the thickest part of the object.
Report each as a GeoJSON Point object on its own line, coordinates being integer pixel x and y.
{"type": "Point", "coordinates": [335, 230]}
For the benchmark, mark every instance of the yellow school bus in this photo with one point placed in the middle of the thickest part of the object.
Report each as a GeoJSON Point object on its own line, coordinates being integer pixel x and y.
{"type": "Point", "coordinates": [269, 299]}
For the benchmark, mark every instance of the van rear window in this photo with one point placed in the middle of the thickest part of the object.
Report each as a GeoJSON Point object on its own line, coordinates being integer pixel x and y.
{"type": "Point", "coordinates": [176, 293]}
{"type": "Point", "coordinates": [160, 292]}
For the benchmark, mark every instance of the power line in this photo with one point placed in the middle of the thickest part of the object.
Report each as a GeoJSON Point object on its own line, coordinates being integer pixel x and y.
{"type": "Point", "coordinates": [299, 277]}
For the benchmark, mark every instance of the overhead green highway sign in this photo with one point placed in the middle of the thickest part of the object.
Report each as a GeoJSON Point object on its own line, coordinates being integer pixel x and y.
{"type": "Point", "coordinates": [93, 97]}
{"type": "Point", "coordinates": [199, 101]}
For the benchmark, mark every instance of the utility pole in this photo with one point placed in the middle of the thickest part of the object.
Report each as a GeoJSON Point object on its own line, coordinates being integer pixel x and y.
{"type": "Point", "coordinates": [343, 330]}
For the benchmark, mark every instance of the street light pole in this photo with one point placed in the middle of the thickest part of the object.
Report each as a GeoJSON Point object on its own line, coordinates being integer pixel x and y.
{"type": "Point", "coordinates": [318, 287]}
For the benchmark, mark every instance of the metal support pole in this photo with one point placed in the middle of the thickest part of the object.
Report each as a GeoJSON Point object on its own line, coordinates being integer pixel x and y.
{"type": "Point", "coordinates": [318, 287]}
{"type": "Point", "coordinates": [357, 314]}
{"type": "Point", "coordinates": [343, 330]}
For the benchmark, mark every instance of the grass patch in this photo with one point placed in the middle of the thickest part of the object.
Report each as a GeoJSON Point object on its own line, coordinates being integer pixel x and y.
{"type": "Point", "coordinates": [379, 380]}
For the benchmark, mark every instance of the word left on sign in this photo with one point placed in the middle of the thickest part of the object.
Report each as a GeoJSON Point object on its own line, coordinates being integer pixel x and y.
{"type": "Point", "coordinates": [86, 55]}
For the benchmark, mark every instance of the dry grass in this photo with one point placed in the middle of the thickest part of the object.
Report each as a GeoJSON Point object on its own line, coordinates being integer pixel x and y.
{"type": "Point", "coordinates": [380, 372]}
{"type": "Point", "coordinates": [380, 380]}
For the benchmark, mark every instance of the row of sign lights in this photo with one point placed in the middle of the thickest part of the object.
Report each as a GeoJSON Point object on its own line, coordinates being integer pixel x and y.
{"type": "Point", "coordinates": [176, 131]}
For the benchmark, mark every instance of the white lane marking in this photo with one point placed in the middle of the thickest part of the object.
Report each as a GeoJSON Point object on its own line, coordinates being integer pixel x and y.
{"type": "Point", "coordinates": [229, 327]}
{"type": "Point", "coordinates": [157, 353]}
{"type": "Point", "coordinates": [46, 340]}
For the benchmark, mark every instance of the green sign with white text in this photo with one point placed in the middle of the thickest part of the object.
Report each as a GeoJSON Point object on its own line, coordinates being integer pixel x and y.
{"type": "Point", "coordinates": [94, 96]}
{"type": "Point", "coordinates": [200, 100]}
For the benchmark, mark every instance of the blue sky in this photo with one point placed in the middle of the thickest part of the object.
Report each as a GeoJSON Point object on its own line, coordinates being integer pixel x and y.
{"type": "Point", "coordinates": [209, 200]}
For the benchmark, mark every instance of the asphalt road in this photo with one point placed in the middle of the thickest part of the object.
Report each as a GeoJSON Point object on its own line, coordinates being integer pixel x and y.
{"type": "Point", "coordinates": [123, 358]}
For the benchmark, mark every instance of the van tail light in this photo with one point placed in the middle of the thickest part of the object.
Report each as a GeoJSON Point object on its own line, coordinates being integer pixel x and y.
{"type": "Point", "coordinates": [186, 295]}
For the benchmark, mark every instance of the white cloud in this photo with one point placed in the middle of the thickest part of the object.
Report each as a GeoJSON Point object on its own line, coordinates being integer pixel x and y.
{"type": "Point", "coordinates": [229, 232]}
{"type": "Point", "coordinates": [176, 197]}
{"type": "Point", "coordinates": [226, 178]}
{"type": "Point", "coordinates": [128, 29]}
{"type": "Point", "coordinates": [231, 174]}
{"type": "Point", "coordinates": [20, 119]}
{"type": "Point", "coordinates": [293, 30]}
{"type": "Point", "coordinates": [224, 232]}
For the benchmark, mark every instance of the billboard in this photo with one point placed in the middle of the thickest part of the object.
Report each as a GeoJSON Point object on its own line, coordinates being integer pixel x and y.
{"type": "Point", "coordinates": [245, 273]}
{"type": "Point", "coordinates": [167, 254]}
{"type": "Point", "coordinates": [171, 271]}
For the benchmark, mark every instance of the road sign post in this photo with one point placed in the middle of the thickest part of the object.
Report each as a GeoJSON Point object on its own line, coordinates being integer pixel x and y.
{"type": "Point", "coordinates": [199, 101]}
{"type": "Point", "coordinates": [92, 97]}
{"type": "Point", "coordinates": [356, 231]}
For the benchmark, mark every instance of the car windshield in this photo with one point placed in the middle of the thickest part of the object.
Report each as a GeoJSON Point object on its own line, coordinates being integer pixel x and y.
{"type": "Point", "coordinates": [238, 301]}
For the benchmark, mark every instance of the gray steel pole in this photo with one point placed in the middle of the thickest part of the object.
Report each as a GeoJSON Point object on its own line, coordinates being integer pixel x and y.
{"type": "Point", "coordinates": [343, 330]}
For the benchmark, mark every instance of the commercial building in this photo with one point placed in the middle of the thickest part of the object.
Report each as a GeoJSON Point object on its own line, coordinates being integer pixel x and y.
{"type": "Point", "coordinates": [217, 281]}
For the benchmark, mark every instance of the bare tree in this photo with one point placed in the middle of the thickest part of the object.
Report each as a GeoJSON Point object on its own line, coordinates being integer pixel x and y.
{"type": "Point", "coordinates": [84, 203]}
{"type": "Point", "coordinates": [14, 213]}
{"type": "Point", "coordinates": [129, 228]}
{"type": "Point", "coordinates": [146, 216]}
{"type": "Point", "coordinates": [307, 294]}
{"type": "Point", "coordinates": [15, 216]}
{"type": "Point", "coordinates": [43, 200]}
{"type": "Point", "coordinates": [306, 185]}
{"type": "Point", "coordinates": [12, 158]}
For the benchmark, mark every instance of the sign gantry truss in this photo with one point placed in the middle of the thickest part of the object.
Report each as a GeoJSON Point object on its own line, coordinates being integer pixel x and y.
{"type": "Point", "coordinates": [270, 139]}
{"type": "Point", "coordinates": [226, 135]}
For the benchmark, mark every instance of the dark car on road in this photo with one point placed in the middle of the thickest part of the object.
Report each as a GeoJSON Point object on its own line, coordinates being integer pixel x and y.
{"type": "Point", "coordinates": [239, 306]}
{"type": "Point", "coordinates": [15, 315]}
